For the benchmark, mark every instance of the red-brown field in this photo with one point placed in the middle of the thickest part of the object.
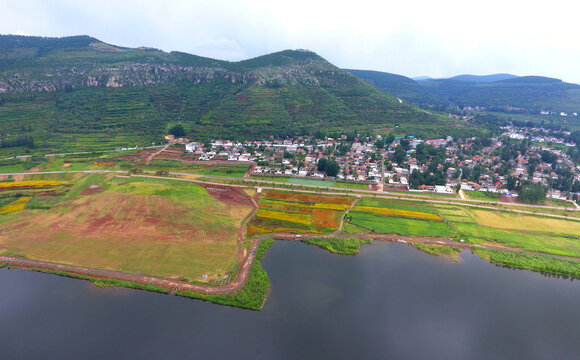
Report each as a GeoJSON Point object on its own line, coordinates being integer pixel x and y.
{"type": "Point", "coordinates": [326, 218]}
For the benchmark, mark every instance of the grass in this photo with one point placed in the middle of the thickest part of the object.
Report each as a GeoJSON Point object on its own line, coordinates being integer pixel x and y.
{"type": "Point", "coordinates": [3, 265]}
{"type": "Point", "coordinates": [282, 179]}
{"type": "Point", "coordinates": [313, 182]}
{"type": "Point", "coordinates": [401, 226]}
{"type": "Point", "coordinates": [253, 294]}
{"type": "Point", "coordinates": [481, 195]}
{"type": "Point", "coordinates": [342, 246]}
{"type": "Point", "coordinates": [530, 261]}
{"type": "Point", "coordinates": [325, 183]}
{"type": "Point", "coordinates": [120, 283]}
{"type": "Point", "coordinates": [439, 250]}
{"type": "Point", "coordinates": [351, 185]}
{"type": "Point", "coordinates": [562, 203]}
{"type": "Point", "coordinates": [532, 241]}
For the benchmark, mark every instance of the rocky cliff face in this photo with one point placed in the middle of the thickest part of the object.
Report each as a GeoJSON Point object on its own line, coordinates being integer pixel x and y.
{"type": "Point", "coordinates": [100, 66]}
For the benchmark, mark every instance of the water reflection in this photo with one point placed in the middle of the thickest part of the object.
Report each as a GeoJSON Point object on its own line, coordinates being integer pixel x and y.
{"type": "Point", "coordinates": [390, 301]}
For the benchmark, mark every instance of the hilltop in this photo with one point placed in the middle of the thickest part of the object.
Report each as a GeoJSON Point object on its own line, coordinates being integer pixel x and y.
{"type": "Point", "coordinates": [81, 93]}
{"type": "Point", "coordinates": [496, 92]}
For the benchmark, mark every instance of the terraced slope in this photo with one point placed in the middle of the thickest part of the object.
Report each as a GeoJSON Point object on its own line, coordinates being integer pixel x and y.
{"type": "Point", "coordinates": [80, 93]}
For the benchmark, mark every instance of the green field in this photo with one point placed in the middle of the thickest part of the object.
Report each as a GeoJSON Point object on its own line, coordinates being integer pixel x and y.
{"type": "Point", "coordinates": [315, 182]}
{"type": "Point", "coordinates": [481, 195]}
{"type": "Point", "coordinates": [364, 222]}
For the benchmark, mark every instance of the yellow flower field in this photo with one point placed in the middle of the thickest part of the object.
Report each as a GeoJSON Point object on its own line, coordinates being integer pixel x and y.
{"type": "Point", "coordinates": [15, 205]}
{"type": "Point", "coordinates": [397, 212]}
{"type": "Point", "coordinates": [290, 217]}
{"type": "Point", "coordinates": [32, 183]}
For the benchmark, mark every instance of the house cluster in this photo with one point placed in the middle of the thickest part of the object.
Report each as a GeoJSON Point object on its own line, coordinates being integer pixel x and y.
{"type": "Point", "coordinates": [369, 160]}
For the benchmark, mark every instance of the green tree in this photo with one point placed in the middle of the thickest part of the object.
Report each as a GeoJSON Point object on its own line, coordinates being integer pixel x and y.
{"type": "Point", "coordinates": [532, 193]}
{"type": "Point", "coordinates": [532, 163]}
{"type": "Point", "coordinates": [321, 165]}
{"type": "Point", "coordinates": [400, 155]}
{"type": "Point", "coordinates": [511, 183]}
{"type": "Point", "coordinates": [177, 131]}
{"type": "Point", "coordinates": [332, 168]}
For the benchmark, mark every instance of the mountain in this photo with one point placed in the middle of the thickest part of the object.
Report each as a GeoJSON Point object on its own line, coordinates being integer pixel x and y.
{"type": "Point", "coordinates": [80, 93]}
{"type": "Point", "coordinates": [422, 78]}
{"type": "Point", "coordinates": [497, 92]}
{"type": "Point", "coordinates": [524, 94]}
{"type": "Point", "coordinates": [483, 78]}
{"type": "Point", "coordinates": [398, 85]}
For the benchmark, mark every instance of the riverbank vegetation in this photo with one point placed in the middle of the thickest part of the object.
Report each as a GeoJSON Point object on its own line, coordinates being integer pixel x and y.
{"type": "Point", "coordinates": [342, 246]}
{"type": "Point", "coordinates": [106, 282]}
{"type": "Point", "coordinates": [253, 294]}
{"type": "Point", "coordinates": [439, 250]}
{"type": "Point", "coordinates": [531, 261]}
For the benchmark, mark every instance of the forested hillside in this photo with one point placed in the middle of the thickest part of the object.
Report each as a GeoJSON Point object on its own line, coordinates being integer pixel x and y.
{"type": "Point", "coordinates": [80, 93]}
{"type": "Point", "coordinates": [498, 92]}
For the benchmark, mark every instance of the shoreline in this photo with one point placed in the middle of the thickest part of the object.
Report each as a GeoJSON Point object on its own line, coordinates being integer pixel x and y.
{"type": "Point", "coordinates": [109, 278]}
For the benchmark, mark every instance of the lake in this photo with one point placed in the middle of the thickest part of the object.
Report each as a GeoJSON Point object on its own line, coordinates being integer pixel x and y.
{"type": "Point", "coordinates": [388, 302]}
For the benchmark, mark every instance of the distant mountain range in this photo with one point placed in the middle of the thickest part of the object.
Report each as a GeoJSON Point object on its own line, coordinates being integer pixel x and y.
{"type": "Point", "coordinates": [81, 93]}
{"type": "Point", "coordinates": [498, 92]}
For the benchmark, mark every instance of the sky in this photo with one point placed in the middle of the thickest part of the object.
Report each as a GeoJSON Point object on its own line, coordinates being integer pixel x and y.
{"type": "Point", "coordinates": [409, 37]}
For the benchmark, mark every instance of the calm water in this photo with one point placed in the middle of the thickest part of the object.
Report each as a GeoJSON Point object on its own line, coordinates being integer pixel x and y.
{"type": "Point", "coordinates": [388, 302]}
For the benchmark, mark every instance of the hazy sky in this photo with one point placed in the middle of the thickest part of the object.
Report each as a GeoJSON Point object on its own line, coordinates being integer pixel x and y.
{"type": "Point", "coordinates": [422, 37]}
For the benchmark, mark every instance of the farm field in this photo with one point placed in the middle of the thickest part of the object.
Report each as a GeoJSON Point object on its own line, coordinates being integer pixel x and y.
{"type": "Point", "coordinates": [164, 228]}
{"type": "Point", "coordinates": [534, 233]}
{"type": "Point", "coordinates": [420, 193]}
{"type": "Point", "coordinates": [315, 182]}
{"type": "Point", "coordinates": [298, 213]}
{"type": "Point", "coordinates": [481, 195]}
{"type": "Point", "coordinates": [398, 217]}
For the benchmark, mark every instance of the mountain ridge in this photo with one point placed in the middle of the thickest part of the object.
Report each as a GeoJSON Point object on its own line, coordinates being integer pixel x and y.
{"type": "Point", "coordinates": [531, 94]}
{"type": "Point", "coordinates": [79, 89]}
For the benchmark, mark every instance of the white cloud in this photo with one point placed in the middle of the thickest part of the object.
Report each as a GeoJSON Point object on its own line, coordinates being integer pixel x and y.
{"type": "Point", "coordinates": [225, 49]}
{"type": "Point", "coordinates": [436, 38]}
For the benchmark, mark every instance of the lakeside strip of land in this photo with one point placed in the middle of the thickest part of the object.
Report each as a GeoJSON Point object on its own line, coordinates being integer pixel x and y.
{"type": "Point", "coordinates": [244, 269]}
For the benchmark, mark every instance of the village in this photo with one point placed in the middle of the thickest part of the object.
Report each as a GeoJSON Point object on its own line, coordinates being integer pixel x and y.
{"type": "Point", "coordinates": [444, 165]}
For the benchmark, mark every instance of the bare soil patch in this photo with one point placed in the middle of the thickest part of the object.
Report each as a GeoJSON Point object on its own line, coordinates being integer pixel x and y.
{"type": "Point", "coordinates": [92, 189]}
{"type": "Point", "coordinates": [509, 199]}
{"type": "Point", "coordinates": [228, 195]}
